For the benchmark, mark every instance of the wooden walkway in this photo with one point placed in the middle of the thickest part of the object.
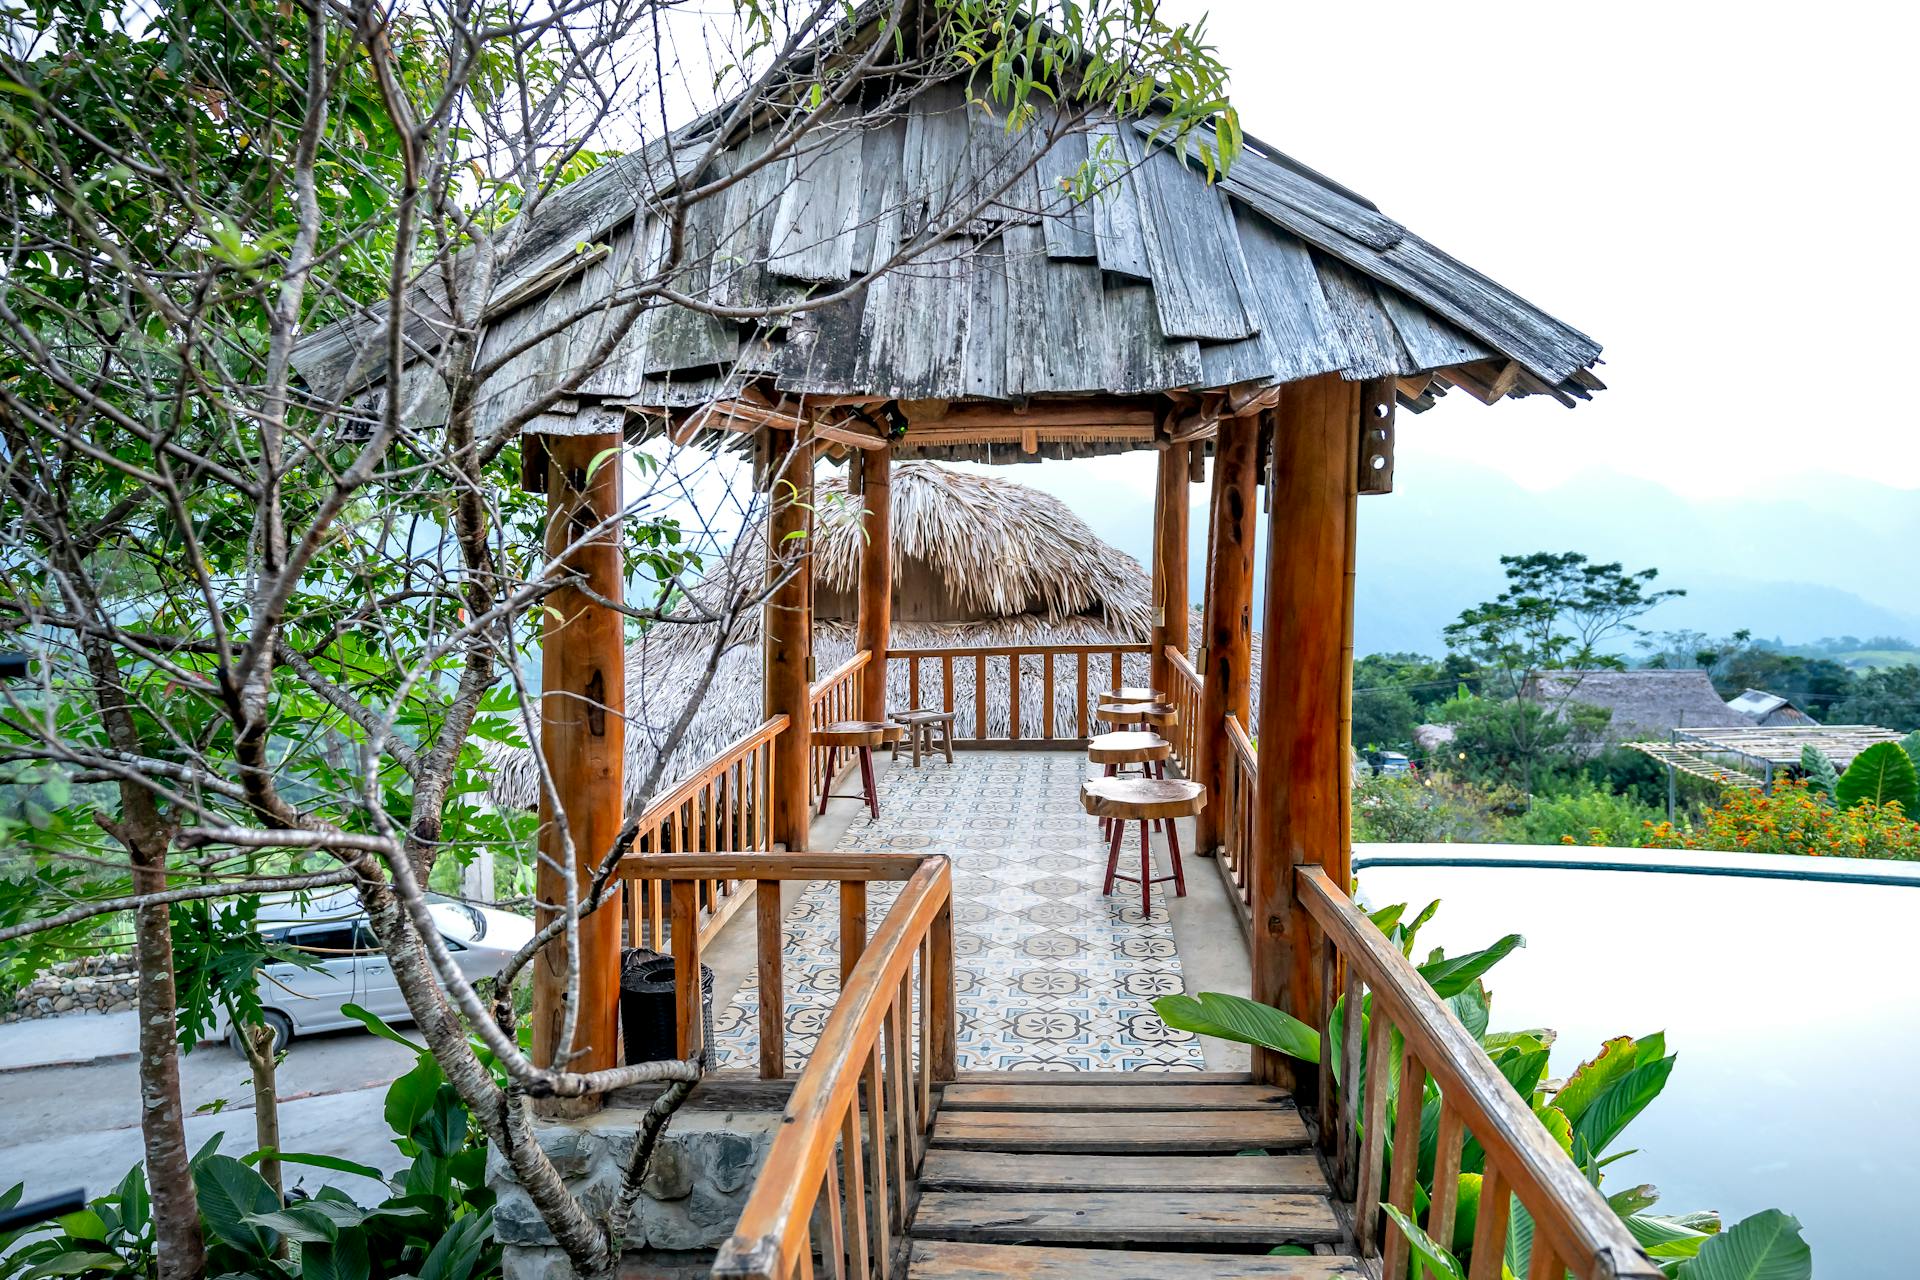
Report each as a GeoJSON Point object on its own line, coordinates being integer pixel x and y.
{"type": "Point", "coordinates": [1153, 1178]}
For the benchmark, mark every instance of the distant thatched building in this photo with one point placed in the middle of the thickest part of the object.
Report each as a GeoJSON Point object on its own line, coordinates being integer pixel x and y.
{"type": "Point", "coordinates": [1648, 703]}
{"type": "Point", "coordinates": [978, 562]}
{"type": "Point", "coordinates": [1768, 709]}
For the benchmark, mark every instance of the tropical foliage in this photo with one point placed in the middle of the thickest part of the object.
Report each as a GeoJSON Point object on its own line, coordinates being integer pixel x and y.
{"type": "Point", "coordinates": [1586, 1114]}
{"type": "Point", "coordinates": [1793, 819]}
{"type": "Point", "coordinates": [436, 1223]}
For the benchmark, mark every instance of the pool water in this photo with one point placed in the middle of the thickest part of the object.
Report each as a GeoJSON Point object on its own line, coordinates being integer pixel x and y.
{"type": "Point", "coordinates": [1794, 1007]}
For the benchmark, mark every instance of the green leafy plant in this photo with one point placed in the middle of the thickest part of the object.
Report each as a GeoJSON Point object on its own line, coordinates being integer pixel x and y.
{"type": "Point", "coordinates": [1822, 777]}
{"type": "Point", "coordinates": [1586, 1115]}
{"type": "Point", "coordinates": [1882, 774]}
{"type": "Point", "coordinates": [436, 1223]}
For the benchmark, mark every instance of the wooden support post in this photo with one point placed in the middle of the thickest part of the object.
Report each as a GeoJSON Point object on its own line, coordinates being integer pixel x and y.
{"type": "Point", "coordinates": [1169, 565]}
{"type": "Point", "coordinates": [876, 580]}
{"type": "Point", "coordinates": [1227, 628]}
{"type": "Point", "coordinates": [788, 634]}
{"type": "Point", "coordinates": [582, 721]}
{"type": "Point", "coordinates": [1300, 797]}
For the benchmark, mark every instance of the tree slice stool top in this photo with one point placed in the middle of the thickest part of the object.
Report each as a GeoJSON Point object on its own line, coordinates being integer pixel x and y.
{"type": "Point", "coordinates": [1128, 748]}
{"type": "Point", "coordinates": [1142, 798]}
{"type": "Point", "coordinates": [1133, 693]}
{"type": "Point", "coordinates": [924, 715]}
{"type": "Point", "coordinates": [851, 733]}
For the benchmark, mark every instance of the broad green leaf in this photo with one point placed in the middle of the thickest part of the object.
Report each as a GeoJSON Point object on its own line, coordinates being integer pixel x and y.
{"type": "Point", "coordinates": [336, 1163]}
{"type": "Point", "coordinates": [1766, 1246]}
{"type": "Point", "coordinates": [1664, 1237]}
{"type": "Point", "coordinates": [1610, 1113]}
{"type": "Point", "coordinates": [1438, 1261]}
{"type": "Point", "coordinates": [1596, 1075]}
{"type": "Point", "coordinates": [1821, 775]}
{"type": "Point", "coordinates": [374, 1023]}
{"type": "Point", "coordinates": [1237, 1018]}
{"type": "Point", "coordinates": [457, 1252]}
{"type": "Point", "coordinates": [1882, 774]}
{"type": "Point", "coordinates": [84, 1225]}
{"type": "Point", "coordinates": [410, 1098]}
{"type": "Point", "coordinates": [230, 1194]}
{"type": "Point", "coordinates": [1452, 975]}
{"type": "Point", "coordinates": [1634, 1199]}
{"type": "Point", "coordinates": [345, 1259]}
{"type": "Point", "coordinates": [74, 1264]}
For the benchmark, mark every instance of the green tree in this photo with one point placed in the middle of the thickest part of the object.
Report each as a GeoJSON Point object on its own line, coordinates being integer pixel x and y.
{"type": "Point", "coordinates": [1889, 697]}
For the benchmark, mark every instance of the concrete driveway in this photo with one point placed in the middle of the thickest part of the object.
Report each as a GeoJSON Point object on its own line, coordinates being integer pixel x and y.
{"type": "Point", "coordinates": [72, 1103]}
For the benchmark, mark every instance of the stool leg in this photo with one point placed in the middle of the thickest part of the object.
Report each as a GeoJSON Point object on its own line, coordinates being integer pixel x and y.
{"type": "Point", "coordinates": [1112, 770]}
{"type": "Point", "coordinates": [1113, 852]}
{"type": "Point", "coordinates": [866, 777]}
{"type": "Point", "coordinates": [1173, 852]}
{"type": "Point", "coordinates": [915, 731]}
{"type": "Point", "coordinates": [1146, 870]}
{"type": "Point", "coordinates": [826, 782]}
{"type": "Point", "coordinates": [946, 739]}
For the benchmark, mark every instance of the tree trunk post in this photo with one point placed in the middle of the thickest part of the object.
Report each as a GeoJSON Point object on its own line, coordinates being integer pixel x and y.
{"type": "Point", "coordinates": [876, 579]}
{"type": "Point", "coordinates": [582, 735]}
{"type": "Point", "coordinates": [1227, 628]}
{"type": "Point", "coordinates": [1169, 565]}
{"type": "Point", "coordinates": [1300, 801]}
{"type": "Point", "coordinates": [788, 632]}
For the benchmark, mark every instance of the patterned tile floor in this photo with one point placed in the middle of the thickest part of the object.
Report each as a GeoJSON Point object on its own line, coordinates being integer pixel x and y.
{"type": "Point", "coordinates": [1051, 974]}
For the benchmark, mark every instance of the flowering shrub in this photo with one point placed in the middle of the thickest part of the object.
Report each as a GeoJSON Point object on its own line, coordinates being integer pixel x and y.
{"type": "Point", "coordinates": [1794, 819]}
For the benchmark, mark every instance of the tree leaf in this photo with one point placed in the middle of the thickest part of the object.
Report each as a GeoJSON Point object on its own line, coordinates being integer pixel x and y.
{"type": "Point", "coordinates": [1882, 774]}
{"type": "Point", "coordinates": [230, 1194]}
{"type": "Point", "coordinates": [1451, 975]}
{"type": "Point", "coordinates": [410, 1099]}
{"type": "Point", "coordinates": [1596, 1075]}
{"type": "Point", "coordinates": [1237, 1018]}
{"type": "Point", "coordinates": [345, 1259]}
{"type": "Point", "coordinates": [1607, 1115]}
{"type": "Point", "coordinates": [1426, 1250]}
{"type": "Point", "coordinates": [1766, 1246]}
{"type": "Point", "coordinates": [336, 1163]}
{"type": "Point", "coordinates": [455, 1255]}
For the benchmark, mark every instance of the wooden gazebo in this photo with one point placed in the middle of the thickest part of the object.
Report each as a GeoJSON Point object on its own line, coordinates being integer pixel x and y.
{"type": "Point", "coordinates": [1272, 320]}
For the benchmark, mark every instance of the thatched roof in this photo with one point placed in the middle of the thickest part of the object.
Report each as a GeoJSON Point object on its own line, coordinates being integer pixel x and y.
{"type": "Point", "coordinates": [1645, 703]}
{"type": "Point", "coordinates": [1049, 579]}
{"type": "Point", "coordinates": [1163, 284]}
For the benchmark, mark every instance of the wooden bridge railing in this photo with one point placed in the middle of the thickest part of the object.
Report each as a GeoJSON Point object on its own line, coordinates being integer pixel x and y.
{"type": "Point", "coordinates": [1574, 1229]}
{"type": "Point", "coordinates": [837, 697]}
{"type": "Point", "coordinates": [1050, 690]}
{"type": "Point", "coordinates": [1237, 826]}
{"type": "Point", "coordinates": [835, 1191]}
{"type": "Point", "coordinates": [726, 805]}
{"type": "Point", "coordinates": [1184, 693]}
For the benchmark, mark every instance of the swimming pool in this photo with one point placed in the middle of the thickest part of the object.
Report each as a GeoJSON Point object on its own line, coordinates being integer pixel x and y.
{"type": "Point", "coordinates": [1788, 987]}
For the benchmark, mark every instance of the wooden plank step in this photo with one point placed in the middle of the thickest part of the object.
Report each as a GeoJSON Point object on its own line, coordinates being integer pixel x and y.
{"type": "Point", "coordinates": [972, 1096]}
{"type": "Point", "coordinates": [1107, 1077]}
{"type": "Point", "coordinates": [1124, 1217]}
{"type": "Point", "coordinates": [1136, 1133]}
{"type": "Point", "coordinates": [958, 1260]}
{"type": "Point", "coordinates": [993, 1171]}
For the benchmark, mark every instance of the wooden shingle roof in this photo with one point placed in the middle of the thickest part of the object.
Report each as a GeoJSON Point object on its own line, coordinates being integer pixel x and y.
{"type": "Point", "coordinates": [1161, 283]}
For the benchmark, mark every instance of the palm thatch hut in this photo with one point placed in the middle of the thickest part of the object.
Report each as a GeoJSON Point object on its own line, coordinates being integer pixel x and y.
{"type": "Point", "coordinates": [979, 562]}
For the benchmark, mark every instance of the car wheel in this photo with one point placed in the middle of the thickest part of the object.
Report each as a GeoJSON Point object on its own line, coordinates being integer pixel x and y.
{"type": "Point", "coordinates": [279, 1023]}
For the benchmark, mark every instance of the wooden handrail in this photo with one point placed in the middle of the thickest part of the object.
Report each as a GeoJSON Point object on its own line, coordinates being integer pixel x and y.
{"type": "Point", "coordinates": [1573, 1224]}
{"type": "Point", "coordinates": [844, 671]}
{"type": "Point", "coordinates": [1024, 650]}
{"type": "Point", "coordinates": [1060, 692]}
{"type": "Point", "coordinates": [687, 787]}
{"type": "Point", "coordinates": [772, 866]}
{"type": "Point", "coordinates": [1184, 693]}
{"type": "Point", "coordinates": [866, 1038]}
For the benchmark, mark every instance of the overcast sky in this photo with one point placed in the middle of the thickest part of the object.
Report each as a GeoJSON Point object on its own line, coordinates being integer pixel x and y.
{"type": "Point", "coordinates": [1720, 194]}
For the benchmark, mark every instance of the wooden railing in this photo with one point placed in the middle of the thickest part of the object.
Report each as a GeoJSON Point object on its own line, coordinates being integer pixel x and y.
{"type": "Point", "coordinates": [836, 1190]}
{"type": "Point", "coordinates": [1045, 692]}
{"type": "Point", "coordinates": [1574, 1229]}
{"type": "Point", "coordinates": [726, 805]}
{"type": "Point", "coordinates": [1183, 692]}
{"type": "Point", "coordinates": [837, 697]}
{"type": "Point", "coordinates": [1236, 824]}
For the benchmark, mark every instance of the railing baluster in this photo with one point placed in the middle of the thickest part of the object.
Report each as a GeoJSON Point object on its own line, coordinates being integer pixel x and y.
{"type": "Point", "coordinates": [891, 1034]}
{"type": "Point", "coordinates": [1013, 697]}
{"type": "Point", "coordinates": [1327, 1101]}
{"type": "Point", "coordinates": [689, 1035]}
{"type": "Point", "coordinates": [834, 1248]}
{"type": "Point", "coordinates": [853, 925]}
{"type": "Point", "coordinates": [1344, 1171]}
{"type": "Point", "coordinates": [1119, 679]}
{"type": "Point", "coordinates": [946, 682]}
{"type": "Point", "coordinates": [944, 1063]}
{"type": "Point", "coordinates": [1046, 695]}
{"type": "Point", "coordinates": [913, 683]}
{"type": "Point", "coordinates": [909, 1090]}
{"type": "Point", "coordinates": [770, 939]}
{"type": "Point", "coordinates": [1545, 1264]}
{"type": "Point", "coordinates": [1490, 1227]}
{"type": "Point", "coordinates": [882, 1214]}
{"type": "Point", "coordinates": [855, 1170]}
{"type": "Point", "coordinates": [1373, 1143]}
{"type": "Point", "coordinates": [1080, 695]}
{"type": "Point", "coordinates": [1446, 1177]}
{"type": "Point", "coordinates": [980, 696]}
{"type": "Point", "coordinates": [1406, 1158]}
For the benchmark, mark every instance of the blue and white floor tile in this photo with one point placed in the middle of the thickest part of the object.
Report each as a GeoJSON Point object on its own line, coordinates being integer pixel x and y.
{"type": "Point", "coordinates": [1050, 973]}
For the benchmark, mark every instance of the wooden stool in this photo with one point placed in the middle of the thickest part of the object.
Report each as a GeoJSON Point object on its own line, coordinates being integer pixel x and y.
{"type": "Point", "coordinates": [1138, 715]}
{"type": "Point", "coordinates": [1118, 750]}
{"type": "Point", "coordinates": [1144, 801]}
{"type": "Point", "coordinates": [920, 724]}
{"type": "Point", "coordinates": [1133, 693]}
{"type": "Point", "coordinates": [860, 736]}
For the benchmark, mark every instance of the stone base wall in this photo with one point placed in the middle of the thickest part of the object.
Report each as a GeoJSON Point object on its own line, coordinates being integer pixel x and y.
{"type": "Point", "coordinates": [702, 1170]}
{"type": "Point", "coordinates": [90, 984]}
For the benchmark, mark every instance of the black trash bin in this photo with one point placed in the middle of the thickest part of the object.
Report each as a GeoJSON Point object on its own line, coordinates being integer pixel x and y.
{"type": "Point", "coordinates": [647, 1013]}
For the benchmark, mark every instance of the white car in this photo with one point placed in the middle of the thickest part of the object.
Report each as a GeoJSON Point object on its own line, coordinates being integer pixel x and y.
{"type": "Point", "coordinates": [352, 969]}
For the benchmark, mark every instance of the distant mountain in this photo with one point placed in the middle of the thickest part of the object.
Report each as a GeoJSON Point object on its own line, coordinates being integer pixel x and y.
{"type": "Point", "coordinates": [1831, 557]}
